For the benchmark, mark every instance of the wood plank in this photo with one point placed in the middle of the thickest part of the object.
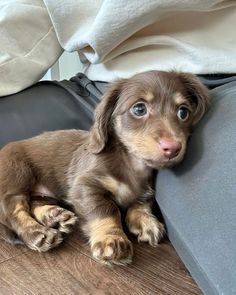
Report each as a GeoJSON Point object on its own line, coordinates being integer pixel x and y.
{"type": "Point", "coordinates": [69, 269]}
{"type": "Point", "coordinates": [62, 271]}
{"type": "Point", "coordinates": [8, 251]}
{"type": "Point", "coordinates": [159, 270]}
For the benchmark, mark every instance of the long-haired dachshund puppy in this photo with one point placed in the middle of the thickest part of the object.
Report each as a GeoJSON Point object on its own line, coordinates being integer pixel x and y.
{"type": "Point", "coordinates": [141, 124]}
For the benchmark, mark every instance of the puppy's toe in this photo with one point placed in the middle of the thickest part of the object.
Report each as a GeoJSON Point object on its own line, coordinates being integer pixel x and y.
{"type": "Point", "coordinates": [66, 220]}
{"type": "Point", "coordinates": [147, 229]}
{"type": "Point", "coordinates": [42, 239]}
{"type": "Point", "coordinates": [113, 250]}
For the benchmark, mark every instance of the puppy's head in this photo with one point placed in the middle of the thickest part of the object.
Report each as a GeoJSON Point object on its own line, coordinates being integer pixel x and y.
{"type": "Point", "coordinates": [151, 114]}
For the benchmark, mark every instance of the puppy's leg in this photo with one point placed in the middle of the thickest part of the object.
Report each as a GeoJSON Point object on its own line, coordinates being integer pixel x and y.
{"type": "Point", "coordinates": [101, 223]}
{"type": "Point", "coordinates": [143, 224]}
{"type": "Point", "coordinates": [16, 180]}
{"type": "Point", "coordinates": [50, 214]}
{"type": "Point", "coordinates": [108, 242]}
{"type": "Point", "coordinates": [33, 234]}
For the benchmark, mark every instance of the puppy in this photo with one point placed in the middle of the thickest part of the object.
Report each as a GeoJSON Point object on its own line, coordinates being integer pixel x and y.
{"type": "Point", "coordinates": [141, 124]}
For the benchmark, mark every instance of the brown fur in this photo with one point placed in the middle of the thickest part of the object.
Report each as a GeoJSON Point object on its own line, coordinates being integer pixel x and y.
{"type": "Point", "coordinates": [101, 170]}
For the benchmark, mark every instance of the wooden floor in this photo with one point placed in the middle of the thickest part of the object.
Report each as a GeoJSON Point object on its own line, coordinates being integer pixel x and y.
{"type": "Point", "coordinates": [69, 269]}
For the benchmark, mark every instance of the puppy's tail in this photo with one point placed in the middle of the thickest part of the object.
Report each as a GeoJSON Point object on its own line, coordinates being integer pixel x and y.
{"type": "Point", "coordinates": [9, 236]}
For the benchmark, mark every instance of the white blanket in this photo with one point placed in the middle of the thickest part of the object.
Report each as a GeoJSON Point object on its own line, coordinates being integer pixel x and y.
{"type": "Point", "coordinates": [115, 38]}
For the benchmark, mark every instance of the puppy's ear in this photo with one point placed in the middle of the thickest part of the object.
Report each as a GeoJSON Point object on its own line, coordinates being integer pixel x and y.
{"type": "Point", "coordinates": [198, 94]}
{"type": "Point", "coordinates": [102, 119]}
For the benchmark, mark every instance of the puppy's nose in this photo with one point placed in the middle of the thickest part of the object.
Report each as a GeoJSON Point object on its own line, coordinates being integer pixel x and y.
{"type": "Point", "coordinates": [170, 147]}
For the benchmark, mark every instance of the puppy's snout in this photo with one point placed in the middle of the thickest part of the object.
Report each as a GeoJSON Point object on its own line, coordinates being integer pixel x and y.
{"type": "Point", "coordinates": [170, 147]}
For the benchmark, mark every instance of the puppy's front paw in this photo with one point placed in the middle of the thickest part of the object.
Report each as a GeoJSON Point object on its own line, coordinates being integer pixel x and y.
{"type": "Point", "coordinates": [146, 227]}
{"type": "Point", "coordinates": [113, 249]}
{"type": "Point", "coordinates": [41, 239]}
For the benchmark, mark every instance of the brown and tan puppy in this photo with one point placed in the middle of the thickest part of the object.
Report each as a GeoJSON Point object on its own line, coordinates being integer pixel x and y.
{"type": "Point", "coordinates": [141, 124]}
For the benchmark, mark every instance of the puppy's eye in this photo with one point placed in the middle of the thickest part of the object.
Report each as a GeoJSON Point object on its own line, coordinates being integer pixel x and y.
{"type": "Point", "coordinates": [183, 113]}
{"type": "Point", "coordinates": [139, 109]}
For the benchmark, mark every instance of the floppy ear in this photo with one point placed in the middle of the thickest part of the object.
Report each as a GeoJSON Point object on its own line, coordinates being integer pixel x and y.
{"type": "Point", "coordinates": [102, 118]}
{"type": "Point", "coordinates": [198, 93]}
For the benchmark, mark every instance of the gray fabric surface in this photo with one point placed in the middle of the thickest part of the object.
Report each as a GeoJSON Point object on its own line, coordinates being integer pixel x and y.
{"type": "Point", "coordinates": [198, 198]}
{"type": "Point", "coordinates": [48, 106]}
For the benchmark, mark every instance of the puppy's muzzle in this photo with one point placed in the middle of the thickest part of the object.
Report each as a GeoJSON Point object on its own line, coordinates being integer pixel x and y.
{"type": "Point", "coordinates": [170, 147]}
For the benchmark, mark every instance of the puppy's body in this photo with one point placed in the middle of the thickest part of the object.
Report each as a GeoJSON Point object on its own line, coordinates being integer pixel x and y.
{"type": "Point", "coordinates": [46, 159]}
{"type": "Point", "coordinates": [52, 163]}
{"type": "Point", "coordinates": [138, 126]}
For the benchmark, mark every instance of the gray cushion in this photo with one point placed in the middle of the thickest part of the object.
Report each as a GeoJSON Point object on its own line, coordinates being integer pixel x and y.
{"type": "Point", "coordinates": [43, 107]}
{"type": "Point", "coordinates": [198, 198]}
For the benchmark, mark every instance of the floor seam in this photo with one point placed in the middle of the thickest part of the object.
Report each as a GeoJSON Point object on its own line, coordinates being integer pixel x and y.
{"type": "Point", "coordinates": [26, 251]}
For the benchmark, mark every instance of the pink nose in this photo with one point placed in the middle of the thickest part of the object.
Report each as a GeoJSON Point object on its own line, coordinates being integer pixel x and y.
{"type": "Point", "coordinates": [170, 147]}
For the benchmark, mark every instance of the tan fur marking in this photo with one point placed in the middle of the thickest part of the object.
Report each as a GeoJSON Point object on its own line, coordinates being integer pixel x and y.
{"type": "Point", "coordinates": [149, 96]}
{"type": "Point", "coordinates": [111, 184]}
{"type": "Point", "coordinates": [19, 207]}
{"type": "Point", "coordinates": [120, 190]}
{"type": "Point", "coordinates": [23, 216]}
{"type": "Point", "coordinates": [146, 148]}
{"type": "Point", "coordinates": [99, 228]}
{"type": "Point", "coordinates": [24, 219]}
{"type": "Point", "coordinates": [178, 98]}
{"type": "Point", "coordinates": [142, 223]}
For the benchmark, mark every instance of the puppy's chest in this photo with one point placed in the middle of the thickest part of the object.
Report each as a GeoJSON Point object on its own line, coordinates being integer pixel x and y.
{"type": "Point", "coordinates": [125, 193]}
